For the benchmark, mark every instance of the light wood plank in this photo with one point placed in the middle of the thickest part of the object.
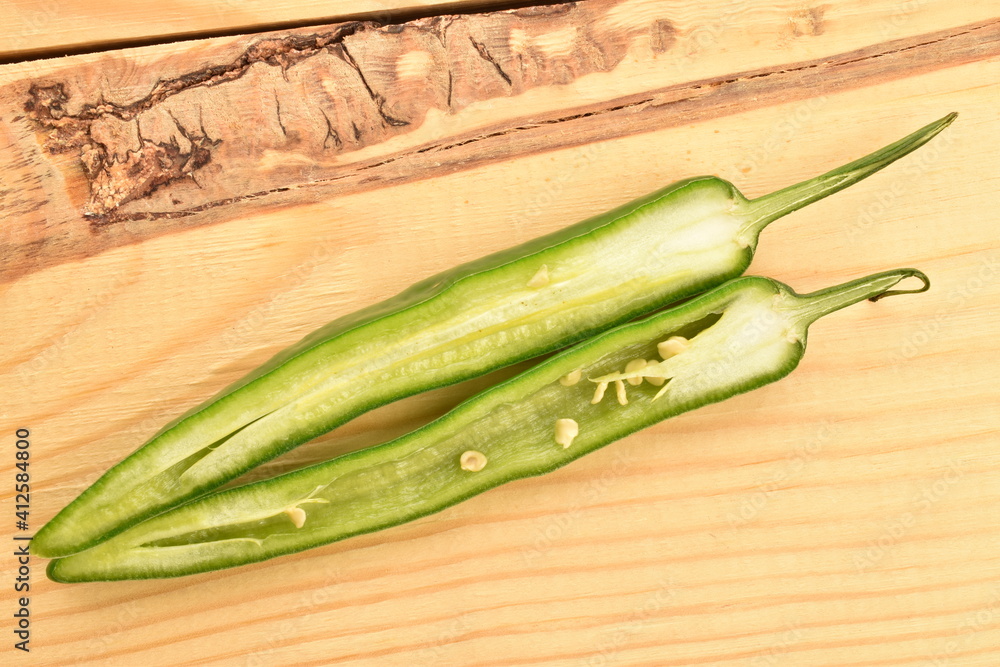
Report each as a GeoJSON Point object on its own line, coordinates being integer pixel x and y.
{"type": "Point", "coordinates": [844, 516]}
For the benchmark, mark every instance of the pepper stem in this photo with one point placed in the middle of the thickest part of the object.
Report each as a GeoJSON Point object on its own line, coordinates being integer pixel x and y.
{"type": "Point", "coordinates": [807, 308]}
{"type": "Point", "coordinates": [764, 210]}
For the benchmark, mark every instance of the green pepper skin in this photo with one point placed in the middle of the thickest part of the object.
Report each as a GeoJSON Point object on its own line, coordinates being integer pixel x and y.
{"type": "Point", "coordinates": [744, 334]}
{"type": "Point", "coordinates": [463, 323]}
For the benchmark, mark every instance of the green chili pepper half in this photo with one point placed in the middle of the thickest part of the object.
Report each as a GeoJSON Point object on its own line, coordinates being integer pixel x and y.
{"type": "Point", "coordinates": [510, 306]}
{"type": "Point", "coordinates": [741, 335]}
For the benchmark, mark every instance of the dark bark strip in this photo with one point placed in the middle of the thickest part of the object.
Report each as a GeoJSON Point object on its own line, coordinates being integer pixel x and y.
{"type": "Point", "coordinates": [676, 105]}
{"type": "Point", "coordinates": [368, 101]}
{"type": "Point", "coordinates": [162, 166]}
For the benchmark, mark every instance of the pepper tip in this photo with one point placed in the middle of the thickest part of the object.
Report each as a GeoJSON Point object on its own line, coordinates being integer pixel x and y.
{"type": "Point", "coordinates": [904, 274]}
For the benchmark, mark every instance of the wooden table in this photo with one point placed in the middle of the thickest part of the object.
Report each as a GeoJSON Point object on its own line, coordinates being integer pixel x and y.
{"type": "Point", "coordinates": [177, 212]}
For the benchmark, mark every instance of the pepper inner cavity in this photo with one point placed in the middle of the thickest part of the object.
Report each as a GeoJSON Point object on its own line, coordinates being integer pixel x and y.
{"type": "Point", "coordinates": [169, 476]}
{"type": "Point", "coordinates": [282, 522]}
{"type": "Point", "coordinates": [647, 365]}
{"type": "Point", "coordinates": [520, 421]}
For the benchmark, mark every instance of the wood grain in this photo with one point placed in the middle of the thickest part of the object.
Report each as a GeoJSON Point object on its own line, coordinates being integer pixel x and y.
{"type": "Point", "coordinates": [299, 116]}
{"type": "Point", "coordinates": [846, 515]}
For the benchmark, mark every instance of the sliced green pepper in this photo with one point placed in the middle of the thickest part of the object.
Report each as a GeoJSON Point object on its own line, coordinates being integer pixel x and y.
{"type": "Point", "coordinates": [741, 335]}
{"type": "Point", "coordinates": [475, 318]}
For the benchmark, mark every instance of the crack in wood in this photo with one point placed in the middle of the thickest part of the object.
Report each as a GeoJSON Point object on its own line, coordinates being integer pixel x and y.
{"type": "Point", "coordinates": [111, 187]}
{"type": "Point", "coordinates": [376, 98]}
{"type": "Point", "coordinates": [485, 55]}
{"type": "Point", "coordinates": [134, 144]}
{"type": "Point", "coordinates": [172, 215]}
{"type": "Point", "coordinates": [671, 96]}
{"type": "Point", "coordinates": [390, 18]}
{"type": "Point", "coordinates": [277, 115]}
{"type": "Point", "coordinates": [283, 52]}
{"type": "Point", "coordinates": [330, 132]}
